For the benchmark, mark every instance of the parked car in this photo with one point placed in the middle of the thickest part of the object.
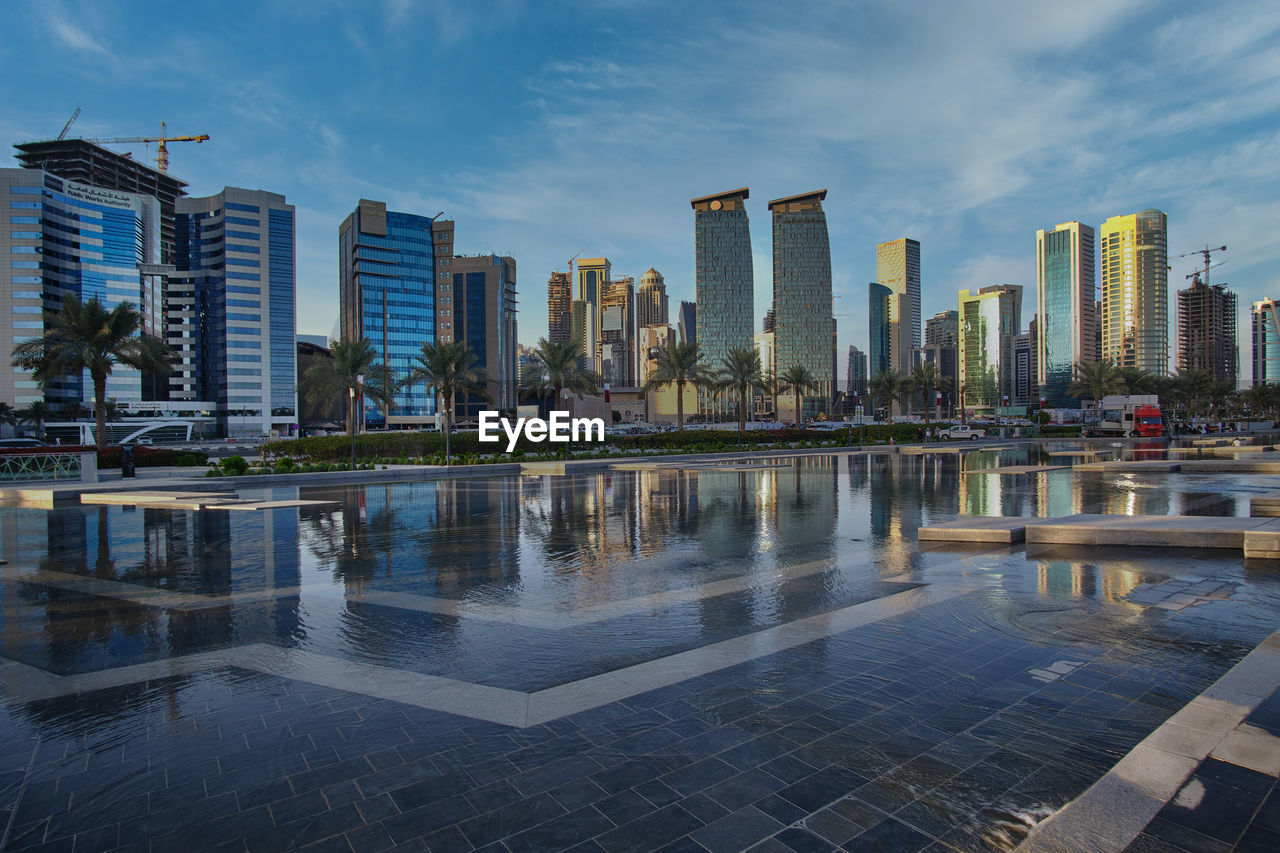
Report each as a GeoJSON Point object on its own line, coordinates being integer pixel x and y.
{"type": "Point", "coordinates": [20, 443]}
{"type": "Point", "coordinates": [961, 431]}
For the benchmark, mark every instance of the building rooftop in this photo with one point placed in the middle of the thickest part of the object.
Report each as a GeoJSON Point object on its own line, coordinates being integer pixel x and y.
{"type": "Point", "coordinates": [740, 192]}
{"type": "Point", "coordinates": [816, 195]}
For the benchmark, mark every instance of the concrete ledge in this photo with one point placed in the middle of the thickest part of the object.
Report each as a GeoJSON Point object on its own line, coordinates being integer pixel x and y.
{"type": "Point", "coordinates": [1018, 469]}
{"type": "Point", "coordinates": [976, 528]}
{"type": "Point", "coordinates": [1151, 466]}
{"type": "Point", "coordinates": [1148, 530]}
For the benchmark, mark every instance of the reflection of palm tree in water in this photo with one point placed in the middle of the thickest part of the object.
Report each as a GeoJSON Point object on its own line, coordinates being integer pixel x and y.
{"type": "Point", "coordinates": [359, 537]}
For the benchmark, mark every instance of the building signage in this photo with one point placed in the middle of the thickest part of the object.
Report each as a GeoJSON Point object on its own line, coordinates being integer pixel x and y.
{"type": "Point", "coordinates": [108, 198]}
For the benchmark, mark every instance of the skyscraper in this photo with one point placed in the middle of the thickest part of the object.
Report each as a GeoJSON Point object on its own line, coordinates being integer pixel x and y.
{"type": "Point", "coordinates": [688, 323]}
{"type": "Point", "coordinates": [235, 252]}
{"type": "Point", "coordinates": [389, 264]}
{"type": "Point", "coordinates": [651, 300]}
{"type": "Point", "coordinates": [583, 332]}
{"type": "Point", "coordinates": [943, 329]}
{"type": "Point", "coordinates": [65, 238]}
{"type": "Point", "coordinates": [802, 295]}
{"type": "Point", "coordinates": [559, 307]}
{"type": "Point", "coordinates": [856, 381]}
{"type": "Point", "coordinates": [1135, 291]}
{"type": "Point", "coordinates": [898, 269]}
{"type": "Point", "coordinates": [1066, 292]}
{"type": "Point", "coordinates": [1207, 330]}
{"type": "Point", "coordinates": [593, 275]}
{"type": "Point", "coordinates": [617, 332]}
{"type": "Point", "coordinates": [724, 288]}
{"type": "Point", "coordinates": [989, 320]}
{"type": "Point", "coordinates": [880, 309]}
{"type": "Point", "coordinates": [483, 297]}
{"type": "Point", "coordinates": [1265, 321]}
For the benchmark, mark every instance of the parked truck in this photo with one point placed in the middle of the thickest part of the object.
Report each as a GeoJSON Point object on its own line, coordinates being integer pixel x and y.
{"type": "Point", "coordinates": [1134, 415]}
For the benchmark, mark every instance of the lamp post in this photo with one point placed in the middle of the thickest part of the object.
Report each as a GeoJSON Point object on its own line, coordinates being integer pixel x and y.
{"type": "Point", "coordinates": [359, 384]}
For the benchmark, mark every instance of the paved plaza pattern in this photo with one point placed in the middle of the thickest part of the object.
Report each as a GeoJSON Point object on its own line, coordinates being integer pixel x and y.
{"type": "Point", "coordinates": [698, 670]}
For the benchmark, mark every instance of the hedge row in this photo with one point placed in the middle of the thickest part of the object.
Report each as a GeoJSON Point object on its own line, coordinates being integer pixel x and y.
{"type": "Point", "coordinates": [153, 457]}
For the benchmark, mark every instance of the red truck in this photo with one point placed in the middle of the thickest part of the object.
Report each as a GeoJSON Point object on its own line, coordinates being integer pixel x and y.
{"type": "Point", "coordinates": [1136, 419]}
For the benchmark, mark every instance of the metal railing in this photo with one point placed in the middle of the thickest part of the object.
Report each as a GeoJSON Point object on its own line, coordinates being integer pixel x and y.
{"type": "Point", "coordinates": [41, 465]}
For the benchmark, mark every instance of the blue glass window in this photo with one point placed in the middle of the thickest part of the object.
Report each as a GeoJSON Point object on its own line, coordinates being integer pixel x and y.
{"type": "Point", "coordinates": [247, 208]}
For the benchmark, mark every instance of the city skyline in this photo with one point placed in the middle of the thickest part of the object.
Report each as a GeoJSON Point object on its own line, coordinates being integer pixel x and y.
{"type": "Point", "coordinates": [1196, 141]}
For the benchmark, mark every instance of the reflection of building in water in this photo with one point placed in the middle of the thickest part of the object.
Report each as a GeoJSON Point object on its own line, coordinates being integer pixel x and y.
{"type": "Point", "coordinates": [1064, 579]}
{"type": "Point", "coordinates": [205, 553]}
{"type": "Point", "coordinates": [728, 512]}
{"type": "Point", "coordinates": [1056, 494]}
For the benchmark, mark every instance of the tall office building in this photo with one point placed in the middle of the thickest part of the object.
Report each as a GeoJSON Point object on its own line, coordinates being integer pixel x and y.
{"type": "Point", "coordinates": [1135, 291]}
{"type": "Point", "coordinates": [650, 339]}
{"type": "Point", "coordinates": [989, 320]}
{"type": "Point", "coordinates": [651, 300]}
{"type": "Point", "coordinates": [880, 335]}
{"type": "Point", "coordinates": [583, 332]}
{"type": "Point", "coordinates": [802, 295]}
{"type": "Point", "coordinates": [1023, 379]}
{"type": "Point", "coordinates": [483, 296]}
{"type": "Point", "coordinates": [1033, 333]}
{"type": "Point", "coordinates": [943, 329]}
{"type": "Point", "coordinates": [235, 261]}
{"type": "Point", "coordinates": [389, 264]}
{"type": "Point", "coordinates": [559, 307]}
{"type": "Point", "coordinates": [687, 324]}
{"type": "Point", "coordinates": [68, 238]}
{"type": "Point", "coordinates": [1264, 317]}
{"type": "Point", "coordinates": [724, 289]}
{"type": "Point", "coordinates": [84, 162]}
{"type": "Point", "coordinates": [1066, 292]}
{"type": "Point", "coordinates": [769, 322]}
{"type": "Point", "coordinates": [1207, 330]}
{"type": "Point", "coordinates": [593, 275]}
{"type": "Point", "coordinates": [617, 333]}
{"type": "Point", "coordinates": [898, 269]}
{"type": "Point", "coordinates": [856, 378]}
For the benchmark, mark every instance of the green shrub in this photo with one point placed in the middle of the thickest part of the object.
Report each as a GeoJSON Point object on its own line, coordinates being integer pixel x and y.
{"type": "Point", "coordinates": [235, 465]}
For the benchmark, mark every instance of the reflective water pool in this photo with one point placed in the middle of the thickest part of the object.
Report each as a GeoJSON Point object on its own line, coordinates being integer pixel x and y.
{"type": "Point", "coordinates": [665, 615]}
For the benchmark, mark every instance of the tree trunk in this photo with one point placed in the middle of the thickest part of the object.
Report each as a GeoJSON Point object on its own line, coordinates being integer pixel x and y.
{"type": "Point", "coordinates": [100, 409]}
{"type": "Point", "coordinates": [742, 410]}
{"type": "Point", "coordinates": [680, 405]}
{"type": "Point", "coordinates": [448, 430]}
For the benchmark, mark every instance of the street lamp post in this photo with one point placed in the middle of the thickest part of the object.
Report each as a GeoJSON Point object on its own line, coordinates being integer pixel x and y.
{"type": "Point", "coordinates": [359, 384]}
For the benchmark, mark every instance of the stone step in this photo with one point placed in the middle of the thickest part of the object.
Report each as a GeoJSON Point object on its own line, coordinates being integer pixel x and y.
{"type": "Point", "coordinates": [1187, 531]}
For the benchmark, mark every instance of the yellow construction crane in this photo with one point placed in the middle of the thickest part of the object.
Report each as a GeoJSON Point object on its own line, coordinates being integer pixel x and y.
{"type": "Point", "coordinates": [162, 157]}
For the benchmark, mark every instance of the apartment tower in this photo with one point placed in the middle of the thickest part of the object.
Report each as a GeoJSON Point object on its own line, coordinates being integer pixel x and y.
{"type": "Point", "coordinates": [802, 296]}
{"type": "Point", "coordinates": [724, 287]}
{"type": "Point", "coordinates": [898, 270]}
{"type": "Point", "coordinates": [1135, 291]}
{"type": "Point", "coordinates": [1065, 299]}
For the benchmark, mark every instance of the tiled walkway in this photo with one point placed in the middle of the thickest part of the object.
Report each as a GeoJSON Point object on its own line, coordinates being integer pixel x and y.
{"type": "Point", "coordinates": [931, 729]}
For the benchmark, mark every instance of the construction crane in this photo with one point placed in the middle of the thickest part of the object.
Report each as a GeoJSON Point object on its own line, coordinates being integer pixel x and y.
{"type": "Point", "coordinates": [162, 157]}
{"type": "Point", "coordinates": [1206, 251]}
{"type": "Point", "coordinates": [75, 115]}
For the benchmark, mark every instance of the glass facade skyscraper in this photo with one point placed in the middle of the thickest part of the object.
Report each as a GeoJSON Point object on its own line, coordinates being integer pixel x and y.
{"type": "Point", "coordinates": [1135, 290]}
{"type": "Point", "coordinates": [1066, 293]}
{"type": "Point", "coordinates": [989, 321]}
{"type": "Point", "coordinates": [388, 266]}
{"type": "Point", "coordinates": [880, 348]}
{"type": "Point", "coordinates": [68, 238]}
{"type": "Point", "coordinates": [898, 268]}
{"type": "Point", "coordinates": [725, 287]}
{"type": "Point", "coordinates": [483, 293]}
{"type": "Point", "coordinates": [235, 253]}
{"type": "Point", "coordinates": [1264, 318]}
{"type": "Point", "coordinates": [802, 295]}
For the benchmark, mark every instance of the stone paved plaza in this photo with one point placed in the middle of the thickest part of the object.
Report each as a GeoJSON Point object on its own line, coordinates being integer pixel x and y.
{"type": "Point", "coordinates": [709, 658]}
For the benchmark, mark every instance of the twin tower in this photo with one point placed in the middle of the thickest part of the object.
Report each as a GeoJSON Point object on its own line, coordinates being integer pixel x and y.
{"type": "Point", "coordinates": [804, 328]}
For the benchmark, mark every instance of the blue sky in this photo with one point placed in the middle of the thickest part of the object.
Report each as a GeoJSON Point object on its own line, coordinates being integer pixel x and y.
{"type": "Point", "coordinates": [548, 129]}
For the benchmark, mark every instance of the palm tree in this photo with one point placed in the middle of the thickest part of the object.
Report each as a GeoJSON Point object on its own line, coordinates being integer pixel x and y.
{"type": "Point", "coordinates": [1095, 380]}
{"type": "Point", "coordinates": [448, 368]}
{"type": "Point", "coordinates": [36, 412]}
{"type": "Point", "coordinates": [555, 369]}
{"type": "Point", "coordinates": [1139, 381]}
{"type": "Point", "coordinates": [1219, 394]}
{"type": "Point", "coordinates": [339, 377]}
{"type": "Point", "coordinates": [929, 380]}
{"type": "Point", "coordinates": [8, 417]}
{"type": "Point", "coordinates": [797, 379]}
{"type": "Point", "coordinates": [741, 372]}
{"type": "Point", "coordinates": [890, 386]}
{"type": "Point", "coordinates": [87, 336]}
{"type": "Point", "coordinates": [679, 363]}
{"type": "Point", "coordinates": [1191, 388]}
{"type": "Point", "coordinates": [769, 382]}
{"type": "Point", "coordinates": [1260, 399]}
